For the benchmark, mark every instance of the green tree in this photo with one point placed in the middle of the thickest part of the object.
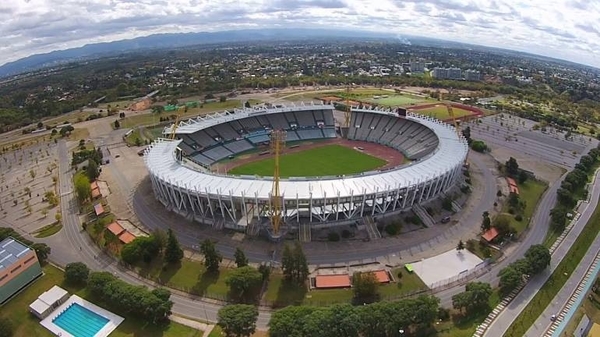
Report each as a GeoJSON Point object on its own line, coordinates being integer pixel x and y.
{"type": "Point", "coordinates": [117, 124]}
{"type": "Point", "coordinates": [512, 167]}
{"type": "Point", "coordinates": [6, 327]}
{"type": "Point", "coordinates": [365, 287]}
{"type": "Point", "coordinates": [157, 109]}
{"type": "Point", "coordinates": [460, 246]}
{"type": "Point", "coordinates": [240, 258]}
{"type": "Point", "coordinates": [91, 170]}
{"type": "Point", "coordinates": [538, 257]}
{"type": "Point", "coordinates": [173, 252]}
{"type": "Point", "coordinates": [238, 320]}
{"type": "Point", "coordinates": [247, 104]}
{"type": "Point", "coordinates": [294, 264]}
{"type": "Point", "coordinates": [486, 224]}
{"type": "Point", "coordinates": [289, 321]}
{"type": "Point", "coordinates": [83, 189]}
{"type": "Point", "coordinates": [510, 279]}
{"type": "Point", "coordinates": [212, 257]}
{"type": "Point", "coordinates": [77, 273]}
{"type": "Point", "coordinates": [141, 248]}
{"type": "Point", "coordinates": [42, 251]}
{"type": "Point", "coordinates": [244, 283]}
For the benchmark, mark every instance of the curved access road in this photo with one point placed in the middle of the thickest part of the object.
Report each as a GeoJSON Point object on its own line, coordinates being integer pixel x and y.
{"type": "Point", "coordinates": [73, 244]}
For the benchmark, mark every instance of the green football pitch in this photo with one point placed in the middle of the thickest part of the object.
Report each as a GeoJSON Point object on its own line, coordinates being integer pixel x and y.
{"type": "Point", "coordinates": [328, 160]}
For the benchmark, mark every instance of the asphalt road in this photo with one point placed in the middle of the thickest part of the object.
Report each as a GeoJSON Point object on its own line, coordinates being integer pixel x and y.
{"type": "Point", "coordinates": [505, 319]}
{"type": "Point", "coordinates": [73, 244]}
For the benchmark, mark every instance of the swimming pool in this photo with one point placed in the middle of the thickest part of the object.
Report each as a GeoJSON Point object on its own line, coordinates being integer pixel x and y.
{"type": "Point", "coordinates": [80, 321]}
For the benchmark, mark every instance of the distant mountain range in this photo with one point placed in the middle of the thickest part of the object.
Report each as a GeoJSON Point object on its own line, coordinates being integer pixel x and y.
{"type": "Point", "coordinates": [161, 41]}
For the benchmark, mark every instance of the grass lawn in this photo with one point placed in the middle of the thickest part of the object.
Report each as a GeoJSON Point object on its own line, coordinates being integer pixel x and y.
{"type": "Point", "coordinates": [47, 231]}
{"type": "Point", "coordinates": [531, 193]}
{"type": "Point", "coordinates": [135, 138]}
{"type": "Point", "coordinates": [153, 132]}
{"type": "Point", "coordinates": [134, 119]}
{"type": "Point", "coordinates": [282, 294]}
{"type": "Point", "coordinates": [441, 112]}
{"type": "Point", "coordinates": [395, 100]}
{"type": "Point", "coordinates": [321, 161]}
{"type": "Point", "coordinates": [409, 283]}
{"type": "Point", "coordinates": [558, 278]}
{"type": "Point", "coordinates": [26, 325]}
{"type": "Point", "coordinates": [189, 276]}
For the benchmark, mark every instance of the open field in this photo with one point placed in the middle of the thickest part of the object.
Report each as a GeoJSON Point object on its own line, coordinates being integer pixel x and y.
{"type": "Point", "coordinates": [441, 112]}
{"type": "Point", "coordinates": [138, 119]}
{"type": "Point", "coordinates": [530, 193]}
{"type": "Point", "coordinates": [26, 325]}
{"type": "Point", "coordinates": [321, 161]}
{"type": "Point", "coordinates": [396, 100]}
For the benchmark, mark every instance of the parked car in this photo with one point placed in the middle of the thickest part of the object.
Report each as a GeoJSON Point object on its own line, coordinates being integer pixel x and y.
{"type": "Point", "coordinates": [446, 219]}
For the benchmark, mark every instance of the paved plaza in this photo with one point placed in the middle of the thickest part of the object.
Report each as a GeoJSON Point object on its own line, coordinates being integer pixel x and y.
{"type": "Point", "coordinates": [446, 266]}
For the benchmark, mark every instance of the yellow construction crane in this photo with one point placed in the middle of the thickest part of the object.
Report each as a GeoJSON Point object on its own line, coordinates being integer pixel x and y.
{"type": "Point", "coordinates": [348, 112]}
{"type": "Point", "coordinates": [451, 114]}
{"type": "Point", "coordinates": [277, 145]}
{"type": "Point", "coordinates": [176, 124]}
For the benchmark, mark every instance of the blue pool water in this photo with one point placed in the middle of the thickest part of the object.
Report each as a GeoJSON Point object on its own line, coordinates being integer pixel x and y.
{"type": "Point", "coordinates": [80, 321]}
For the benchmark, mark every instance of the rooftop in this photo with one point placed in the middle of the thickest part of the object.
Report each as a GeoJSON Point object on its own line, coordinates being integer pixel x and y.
{"type": "Point", "coordinates": [10, 251]}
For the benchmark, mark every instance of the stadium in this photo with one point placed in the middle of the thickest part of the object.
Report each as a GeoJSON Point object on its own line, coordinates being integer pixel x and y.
{"type": "Point", "coordinates": [208, 171]}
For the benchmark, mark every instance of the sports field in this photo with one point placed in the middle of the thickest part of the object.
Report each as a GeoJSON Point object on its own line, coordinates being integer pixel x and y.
{"type": "Point", "coordinates": [441, 112]}
{"type": "Point", "coordinates": [395, 100]}
{"type": "Point", "coordinates": [329, 160]}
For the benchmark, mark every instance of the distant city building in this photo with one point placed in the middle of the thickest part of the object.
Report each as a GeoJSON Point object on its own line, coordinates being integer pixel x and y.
{"type": "Point", "coordinates": [447, 73]}
{"type": "Point", "coordinates": [19, 267]}
{"type": "Point", "coordinates": [454, 73]}
{"type": "Point", "coordinates": [417, 67]}
{"type": "Point", "coordinates": [440, 73]}
{"type": "Point", "coordinates": [472, 75]}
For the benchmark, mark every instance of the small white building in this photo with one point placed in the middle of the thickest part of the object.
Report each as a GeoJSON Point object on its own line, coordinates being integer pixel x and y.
{"type": "Point", "coordinates": [48, 301]}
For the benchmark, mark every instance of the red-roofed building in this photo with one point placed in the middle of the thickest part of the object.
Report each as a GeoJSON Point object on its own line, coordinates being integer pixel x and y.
{"type": "Point", "coordinates": [96, 193]}
{"type": "Point", "coordinates": [382, 276]}
{"type": "Point", "coordinates": [512, 185]}
{"type": "Point", "coordinates": [126, 237]}
{"type": "Point", "coordinates": [115, 228]}
{"type": "Point", "coordinates": [332, 281]}
{"type": "Point", "coordinates": [490, 234]}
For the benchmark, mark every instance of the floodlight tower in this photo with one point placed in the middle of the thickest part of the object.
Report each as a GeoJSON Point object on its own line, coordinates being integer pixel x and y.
{"type": "Point", "coordinates": [277, 145]}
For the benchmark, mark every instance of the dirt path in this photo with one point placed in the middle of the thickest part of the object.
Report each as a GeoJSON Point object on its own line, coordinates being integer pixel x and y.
{"type": "Point", "coordinates": [392, 157]}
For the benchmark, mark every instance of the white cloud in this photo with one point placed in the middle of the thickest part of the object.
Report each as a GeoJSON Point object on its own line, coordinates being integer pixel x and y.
{"type": "Point", "coordinates": [565, 29]}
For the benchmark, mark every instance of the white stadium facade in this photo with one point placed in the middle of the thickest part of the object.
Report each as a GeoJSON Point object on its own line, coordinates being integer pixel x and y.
{"type": "Point", "coordinates": [183, 183]}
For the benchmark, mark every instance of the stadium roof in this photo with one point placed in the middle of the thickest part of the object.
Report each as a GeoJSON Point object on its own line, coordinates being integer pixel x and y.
{"type": "Point", "coordinates": [161, 162]}
{"type": "Point", "coordinates": [10, 251]}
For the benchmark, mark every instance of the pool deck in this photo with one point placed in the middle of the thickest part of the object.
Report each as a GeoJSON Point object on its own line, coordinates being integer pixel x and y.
{"type": "Point", "coordinates": [113, 320]}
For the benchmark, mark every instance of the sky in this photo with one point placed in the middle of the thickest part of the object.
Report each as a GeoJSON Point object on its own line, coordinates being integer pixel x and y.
{"type": "Point", "coordinates": [567, 29]}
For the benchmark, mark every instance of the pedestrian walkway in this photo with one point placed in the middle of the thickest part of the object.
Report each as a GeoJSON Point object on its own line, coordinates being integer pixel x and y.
{"type": "Point", "coordinates": [206, 328]}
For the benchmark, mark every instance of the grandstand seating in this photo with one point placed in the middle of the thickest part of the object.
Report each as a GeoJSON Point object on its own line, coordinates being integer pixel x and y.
{"type": "Point", "coordinates": [239, 146]}
{"type": "Point", "coordinates": [217, 142]}
{"type": "Point", "coordinates": [310, 133]}
{"type": "Point", "coordinates": [412, 139]}
{"type": "Point", "coordinates": [305, 118]}
{"type": "Point", "coordinates": [217, 153]}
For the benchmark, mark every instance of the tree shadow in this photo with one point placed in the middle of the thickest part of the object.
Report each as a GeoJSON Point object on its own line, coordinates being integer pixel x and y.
{"type": "Point", "coordinates": [206, 279]}
{"type": "Point", "coordinates": [290, 293]}
{"type": "Point", "coordinates": [167, 271]}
